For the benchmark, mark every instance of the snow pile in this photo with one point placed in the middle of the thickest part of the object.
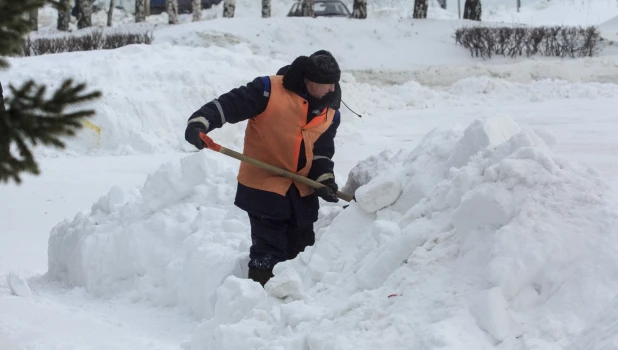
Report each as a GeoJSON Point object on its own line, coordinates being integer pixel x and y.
{"type": "Point", "coordinates": [492, 241]}
{"type": "Point", "coordinates": [149, 91]}
{"type": "Point", "coordinates": [477, 238]}
{"type": "Point", "coordinates": [609, 29]}
{"type": "Point", "coordinates": [172, 242]}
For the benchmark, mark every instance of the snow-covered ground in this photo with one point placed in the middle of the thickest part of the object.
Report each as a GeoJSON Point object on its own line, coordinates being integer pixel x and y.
{"type": "Point", "coordinates": [486, 208]}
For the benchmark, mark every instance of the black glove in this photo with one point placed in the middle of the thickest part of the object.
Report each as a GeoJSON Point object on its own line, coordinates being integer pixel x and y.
{"type": "Point", "coordinates": [329, 191]}
{"type": "Point", "coordinates": [192, 135]}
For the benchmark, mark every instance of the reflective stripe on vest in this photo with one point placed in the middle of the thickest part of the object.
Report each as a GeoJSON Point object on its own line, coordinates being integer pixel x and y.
{"type": "Point", "coordinates": [274, 137]}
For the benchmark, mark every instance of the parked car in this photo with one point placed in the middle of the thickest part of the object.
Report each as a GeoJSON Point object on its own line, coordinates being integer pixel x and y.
{"type": "Point", "coordinates": [322, 8]}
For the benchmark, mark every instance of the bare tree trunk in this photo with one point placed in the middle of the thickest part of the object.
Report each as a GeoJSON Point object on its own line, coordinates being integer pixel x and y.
{"type": "Point", "coordinates": [359, 9]}
{"type": "Point", "coordinates": [420, 8]}
{"type": "Point", "coordinates": [196, 8]}
{"type": "Point", "coordinates": [265, 8]}
{"type": "Point", "coordinates": [1, 100]}
{"type": "Point", "coordinates": [307, 8]}
{"type": "Point", "coordinates": [172, 11]}
{"type": "Point", "coordinates": [110, 13]}
{"type": "Point", "coordinates": [472, 10]}
{"type": "Point", "coordinates": [84, 13]}
{"type": "Point", "coordinates": [5, 145]}
{"type": "Point", "coordinates": [64, 15]}
{"type": "Point", "coordinates": [228, 8]}
{"type": "Point", "coordinates": [33, 18]}
{"type": "Point", "coordinates": [140, 11]}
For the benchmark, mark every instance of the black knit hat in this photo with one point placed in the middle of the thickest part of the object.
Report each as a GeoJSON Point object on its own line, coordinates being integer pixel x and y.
{"type": "Point", "coordinates": [322, 68]}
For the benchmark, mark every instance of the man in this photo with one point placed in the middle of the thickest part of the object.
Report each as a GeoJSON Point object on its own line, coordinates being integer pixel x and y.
{"type": "Point", "coordinates": [293, 119]}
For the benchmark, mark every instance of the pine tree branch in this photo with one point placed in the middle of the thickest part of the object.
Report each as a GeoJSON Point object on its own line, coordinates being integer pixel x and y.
{"type": "Point", "coordinates": [32, 117]}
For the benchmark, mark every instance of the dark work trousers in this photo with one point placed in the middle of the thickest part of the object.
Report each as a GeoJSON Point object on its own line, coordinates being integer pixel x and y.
{"type": "Point", "coordinates": [274, 240]}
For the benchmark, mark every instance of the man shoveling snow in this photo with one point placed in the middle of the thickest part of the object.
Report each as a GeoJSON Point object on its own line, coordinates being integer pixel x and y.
{"type": "Point", "coordinates": [293, 119]}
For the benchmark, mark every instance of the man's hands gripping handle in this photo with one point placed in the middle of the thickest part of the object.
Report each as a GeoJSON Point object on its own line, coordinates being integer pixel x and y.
{"type": "Point", "coordinates": [326, 187]}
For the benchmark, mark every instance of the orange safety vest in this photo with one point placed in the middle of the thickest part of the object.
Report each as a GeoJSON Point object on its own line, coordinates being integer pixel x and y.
{"type": "Point", "coordinates": [274, 137]}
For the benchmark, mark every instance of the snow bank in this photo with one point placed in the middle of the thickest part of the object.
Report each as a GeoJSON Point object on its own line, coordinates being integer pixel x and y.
{"type": "Point", "coordinates": [149, 91]}
{"type": "Point", "coordinates": [501, 248]}
{"type": "Point", "coordinates": [482, 238]}
{"type": "Point", "coordinates": [536, 72]}
{"type": "Point", "coordinates": [148, 95]}
{"type": "Point", "coordinates": [172, 242]}
{"type": "Point", "coordinates": [609, 29]}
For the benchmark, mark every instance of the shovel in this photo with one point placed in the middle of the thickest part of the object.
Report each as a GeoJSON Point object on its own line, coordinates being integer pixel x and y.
{"type": "Point", "coordinates": [290, 175]}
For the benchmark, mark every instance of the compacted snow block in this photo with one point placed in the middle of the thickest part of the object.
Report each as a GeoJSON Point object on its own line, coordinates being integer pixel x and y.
{"type": "Point", "coordinates": [379, 193]}
{"type": "Point", "coordinates": [285, 283]}
{"type": "Point", "coordinates": [489, 308]}
{"type": "Point", "coordinates": [488, 204]}
{"type": "Point", "coordinates": [18, 285]}
{"type": "Point", "coordinates": [236, 298]}
{"type": "Point", "coordinates": [480, 135]}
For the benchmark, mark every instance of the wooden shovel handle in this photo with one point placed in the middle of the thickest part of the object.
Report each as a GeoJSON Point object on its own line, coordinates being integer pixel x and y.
{"type": "Point", "coordinates": [258, 163]}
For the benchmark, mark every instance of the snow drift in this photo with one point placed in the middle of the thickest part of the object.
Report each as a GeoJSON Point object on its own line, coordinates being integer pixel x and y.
{"type": "Point", "coordinates": [493, 242]}
{"type": "Point", "coordinates": [172, 242]}
{"type": "Point", "coordinates": [149, 91]}
{"type": "Point", "coordinates": [480, 237]}
{"type": "Point", "coordinates": [148, 96]}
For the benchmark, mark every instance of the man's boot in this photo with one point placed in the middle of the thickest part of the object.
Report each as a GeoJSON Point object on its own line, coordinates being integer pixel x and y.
{"type": "Point", "coordinates": [259, 275]}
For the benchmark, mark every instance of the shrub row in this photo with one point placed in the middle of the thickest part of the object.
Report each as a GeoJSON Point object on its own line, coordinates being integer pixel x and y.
{"type": "Point", "coordinates": [95, 40]}
{"type": "Point", "coordinates": [559, 41]}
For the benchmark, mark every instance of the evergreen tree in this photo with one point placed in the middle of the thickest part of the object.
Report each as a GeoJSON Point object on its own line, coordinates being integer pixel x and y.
{"type": "Point", "coordinates": [30, 115]}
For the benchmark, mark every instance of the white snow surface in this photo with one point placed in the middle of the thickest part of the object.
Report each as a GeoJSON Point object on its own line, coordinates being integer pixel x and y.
{"type": "Point", "coordinates": [519, 270]}
{"type": "Point", "coordinates": [501, 249]}
{"type": "Point", "coordinates": [486, 213]}
{"type": "Point", "coordinates": [147, 104]}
